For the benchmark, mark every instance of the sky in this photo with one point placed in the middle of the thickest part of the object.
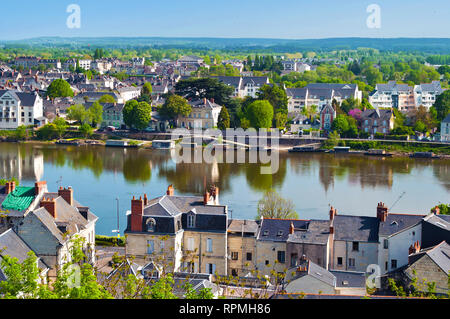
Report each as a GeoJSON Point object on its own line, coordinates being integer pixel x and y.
{"type": "Point", "coordinates": [285, 19]}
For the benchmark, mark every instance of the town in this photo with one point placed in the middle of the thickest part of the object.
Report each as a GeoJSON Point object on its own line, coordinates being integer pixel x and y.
{"type": "Point", "coordinates": [182, 240]}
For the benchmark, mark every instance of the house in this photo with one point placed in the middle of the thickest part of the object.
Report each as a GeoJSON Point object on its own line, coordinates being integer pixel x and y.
{"type": "Point", "coordinates": [129, 92]}
{"type": "Point", "coordinates": [426, 93]}
{"type": "Point", "coordinates": [47, 222]}
{"type": "Point", "coordinates": [377, 121]}
{"type": "Point", "coordinates": [310, 278]}
{"type": "Point", "coordinates": [241, 242]}
{"type": "Point", "coordinates": [204, 114]}
{"type": "Point", "coordinates": [13, 246]}
{"type": "Point", "coordinates": [435, 229]}
{"type": "Point", "coordinates": [18, 108]}
{"type": "Point", "coordinates": [302, 122]}
{"type": "Point", "coordinates": [354, 242]}
{"type": "Point", "coordinates": [244, 86]}
{"type": "Point", "coordinates": [311, 240]}
{"type": "Point", "coordinates": [393, 95]}
{"type": "Point", "coordinates": [320, 94]}
{"type": "Point", "coordinates": [183, 233]}
{"type": "Point", "coordinates": [271, 245]}
{"type": "Point", "coordinates": [327, 116]}
{"type": "Point", "coordinates": [396, 233]}
{"type": "Point", "coordinates": [113, 115]}
{"type": "Point", "coordinates": [93, 96]}
{"type": "Point", "coordinates": [445, 129]}
{"type": "Point", "coordinates": [425, 266]}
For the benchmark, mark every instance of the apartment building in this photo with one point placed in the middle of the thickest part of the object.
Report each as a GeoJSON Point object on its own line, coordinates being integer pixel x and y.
{"type": "Point", "coordinates": [204, 114]}
{"type": "Point", "coordinates": [18, 108]}
{"type": "Point", "coordinates": [320, 94]}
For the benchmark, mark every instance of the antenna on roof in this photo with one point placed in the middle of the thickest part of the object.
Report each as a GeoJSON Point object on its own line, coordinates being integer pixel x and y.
{"type": "Point", "coordinates": [397, 200]}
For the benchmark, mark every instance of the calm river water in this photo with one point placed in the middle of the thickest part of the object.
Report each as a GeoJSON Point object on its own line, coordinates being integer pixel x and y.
{"type": "Point", "coordinates": [354, 184]}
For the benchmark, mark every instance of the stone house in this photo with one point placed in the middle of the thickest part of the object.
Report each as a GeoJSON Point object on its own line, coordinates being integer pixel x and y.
{"type": "Point", "coordinates": [184, 233]}
{"type": "Point", "coordinates": [377, 121]}
{"type": "Point", "coordinates": [204, 115]}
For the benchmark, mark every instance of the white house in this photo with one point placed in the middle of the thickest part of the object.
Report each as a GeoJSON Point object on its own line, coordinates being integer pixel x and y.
{"type": "Point", "coordinates": [129, 92]}
{"type": "Point", "coordinates": [445, 129]}
{"type": "Point", "coordinates": [18, 108]}
{"type": "Point", "coordinates": [426, 93]}
{"type": "Point", "coordinates": [205, 114]}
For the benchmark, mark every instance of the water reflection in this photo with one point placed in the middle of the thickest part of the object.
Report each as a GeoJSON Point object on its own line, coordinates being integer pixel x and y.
{"type": "Point", "coordinates": [26, 161]}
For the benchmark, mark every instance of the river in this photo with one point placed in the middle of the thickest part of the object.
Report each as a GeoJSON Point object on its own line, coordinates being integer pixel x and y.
{"type": "Point", "coordinates": [354, 184]}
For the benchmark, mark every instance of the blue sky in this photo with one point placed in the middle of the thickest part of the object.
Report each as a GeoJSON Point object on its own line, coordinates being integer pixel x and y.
{"type": "Point", "coordinates": [290, 19]}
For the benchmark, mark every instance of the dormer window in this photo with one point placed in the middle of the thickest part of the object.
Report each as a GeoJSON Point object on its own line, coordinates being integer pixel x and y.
{"type": "Point", "coordinates": [280, 233]}
{"type": "Point", "coordinates": [151, 224]}
{"type": "Point", "coordinates": [191, 221]}
{"type": "Point", "coordinates": [266, 233]}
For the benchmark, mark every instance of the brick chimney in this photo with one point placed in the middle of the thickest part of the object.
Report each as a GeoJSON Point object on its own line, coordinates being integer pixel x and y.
{"type": "Point", "coordinates": [67, 194]}
{"type": "Point", "coordinates": [39, 187]}
{"type": "Point", "coordinates": [145, 200]}
{"type": "Point", "coordinates": [206, 198]}
{"type": "Point", "coordinates": [170, 190]}
{"type": "Point", "coordinates": [436, 210]}
{"type": "Point", "coordinates": [50, 205]}
{"type": "Point", "coordinates": [204, 100]}
{"type": "Point", "coordinates": [10, 187]}
{"type": "Point", "coordinates": [333, 212]}
{"type": "Point", "coordinates": [212, 100]}
{"type": "Point", "coordinates": [137, 210]}
{"type": "Point", "coordinates": [382, 211]}
{"type": "Point", "coordinates": [214, 192]}
{"type": "Point", "coordinates": [331, 229]}
{"type": "Point", "coordinates": [291, 228]}
{"type": "Point", "coordinates": [413, 249]}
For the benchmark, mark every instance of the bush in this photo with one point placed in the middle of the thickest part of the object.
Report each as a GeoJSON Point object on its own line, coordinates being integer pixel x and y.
{"type": "Point", "coordinates": [109, 241]}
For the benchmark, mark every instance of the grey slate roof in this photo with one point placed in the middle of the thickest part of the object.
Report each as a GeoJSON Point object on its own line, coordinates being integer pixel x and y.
{"type": "Point", "coordinates": [447, 119]}
{"type": "Point", "coordinates": [356, 228]}
{"type": "Point", "coordinates": [440, 254]}
{"type": "Point", "coordinates": [243, 226]}
{"type": "Point", "coordinates": [317, 233]}
{"type": "Point", "coordinates": [12, 245]}
{"type": "Point", "coordinates": [173, 205]}
{"type": "Point", "coordinates": [278, 229]}
{"type": "Point", "coordinates": [397, 222]}
{"type": "Point", "coordinates": [351, 279]}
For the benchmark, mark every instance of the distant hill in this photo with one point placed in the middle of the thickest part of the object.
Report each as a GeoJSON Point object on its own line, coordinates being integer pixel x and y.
{"type": "Point", "coordinates": [427, 45]}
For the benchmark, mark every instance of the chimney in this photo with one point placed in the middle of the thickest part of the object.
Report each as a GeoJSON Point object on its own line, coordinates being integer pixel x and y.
{"type": "Point", "coordinates": [204, 100]}
{"type": "Point", "coordinates": [39, 187]}
{"type": "Point", "coordinates": [214, 192]}
{"type": "Point", "coordinates": [10, 187]}
{"type": "Point", "coordinates": [145, 200]}
{"type": "Point", "coordinates": [50, 205]}
{"type": "Point", "coordinates": [331, 230]}
{"type": "Point", "coordinates": [333, 212]}
{"type": "Point", "coordinates": [137, 210]}
{"type": "Point", "coordinates": [413, 249]}
{"type": "Point", "coordinates": [291, 228]}
{"type": "Point", "coordinates": [206, 198]}
{"type": "Point", "coordinates": [212, 100]}
{"type": "Point", "coordinates": [67, 194]}
{"type": "Point", "coordinates": [436, 210]}
{"type": "Point", "coordinates": [382, 211]}
{"type": "Point", "coordinates": [170, 190]}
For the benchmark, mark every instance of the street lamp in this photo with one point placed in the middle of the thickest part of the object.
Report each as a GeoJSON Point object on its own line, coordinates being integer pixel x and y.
{"type": "Point", "coordinates": [118, 228]}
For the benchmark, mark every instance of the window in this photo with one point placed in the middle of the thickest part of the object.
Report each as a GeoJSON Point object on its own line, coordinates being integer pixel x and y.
{"type": "Point", "coordinates": [249, 256]}
{"type": "Point", "coordinates": [267, 262]}
{"type": "Point", "coordinates": [234, 272]}
{"type": "Point", "coordinates": [355, 246]}
{"type": "Point", "coordinates": [190, 243]}
{"type": "Point", "coordinates": [294, 258]}
{"type": "Point", "coordinates": [394, 263]}
{"type": "Point", "coordinates": [234, 255]}
{"type": "Point", "coordinates": [339, 261]}
{"type": "Point", "coordinates": [281, 256]}
{"type": "Point", "coordinates": [210, 268]}
{"type": "Point", "coordinates": [151, 223]}
{"type": "Point", "coordinates": [386, 244]}
{"type": "Point", "coordinates": [161, 245]}
{"type": "Point", "coordinates": [191, 221]}
{"type": "Point", "coordinates": [351, 262]}
{"type": "Point", "coordinates": [150, 246]}
{"type": "Point", "coordinates": [209, 245]}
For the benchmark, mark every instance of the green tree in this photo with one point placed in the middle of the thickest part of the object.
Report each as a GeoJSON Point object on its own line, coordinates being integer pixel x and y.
{"type": "Point", "coordinates": [86, 130]}
{"type": "Point", "coordinates": [59, 88]}
{"type": "Point", "coordinates": [444, 209]}
{"type": "Point", "coordinates": [260, 114]}
{"type": "Point", "coordinates": [78, 112]}
{"type": "Point", "coordinates": [280, 120]}
{"type": "Point", "coordinates": [163, 288]}
{"type": "Point", "coordinates": [137, 114]}
{"type": "Point", "coordinates": [272, 205]}
{"type": "Point", "coordinates": [47, 132]}
{"type": "Point", "coordinates": [107, 98]}
{"type": "Point", "coordinates": [21, 132]}
{"type": "Point", "coordinates": [224, 119]}
{"type": "Point", "coordinates": [60, 126]}
{"type": "Point", "coordinates": [147, 89]}
{"type": "Point", "coordinates": [442, 105]}
{"type": "Point", "coordinates": [310, 111]}
{"type": "Point", "coordinates": [175, 105]}
{"type": "Point", "coordinates": [199, 88]}
{"type": "Point", "coordinates": [276, 96]}
{"type": "Point", "coordinates": [96, 113]}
